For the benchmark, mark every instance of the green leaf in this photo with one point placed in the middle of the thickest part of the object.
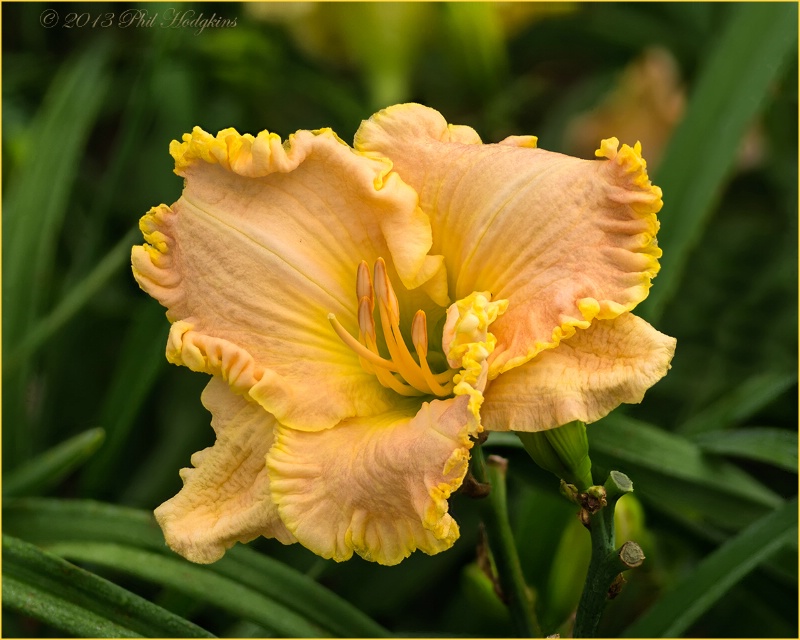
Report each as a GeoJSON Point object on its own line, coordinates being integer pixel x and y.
{"type": "Point", "coordinates": [37, 202]}
{"type": "Point", "coordinates": [34, 207]}
{"type": "Point", "coordinates": [136, 371]}
{"type": "Point", "coordinates": [299, 592]}
{"type": "Point", "coordinates": [730, 91]}
{"type": "Point", "coordinates": [73, 301]}
{"type": "Point", "coordinates": [631, 441]}
{"type": "Point", "coordinates": [43, 586]}
{"type": "Point", "coordinates": [50, 522]}
{"type": "Point", "coordinates": [46, 470]}
{"type": "Point", "coordinates": [476, 31]}
{"type": "Point", "coordinates": [197, 581]}
{"type": "Point", "coordinates": [393, 28]}
{"type": "Point", "coordinates": [741, 403]}
{"type": "Point", "coordinates": [672, 474]}
{"type": "Point", "coordinates": [777, 447]}
{"type": "Point", "coordinates": [686, 601]}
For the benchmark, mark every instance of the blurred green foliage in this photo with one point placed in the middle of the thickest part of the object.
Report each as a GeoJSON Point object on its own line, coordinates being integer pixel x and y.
{"type": "Point", "coordinates": [88, 113]}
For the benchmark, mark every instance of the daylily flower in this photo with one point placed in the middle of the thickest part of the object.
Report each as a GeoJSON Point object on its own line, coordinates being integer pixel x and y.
{"type": "Point", "coordinates": [365, 311]}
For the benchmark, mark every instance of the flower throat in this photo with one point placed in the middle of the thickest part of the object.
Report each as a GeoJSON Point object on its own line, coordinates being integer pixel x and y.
{"type": "Point", "coordinates": [401, 372]}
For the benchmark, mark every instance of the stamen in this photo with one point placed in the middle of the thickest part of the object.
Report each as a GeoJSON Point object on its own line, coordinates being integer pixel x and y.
{"type": "Point", "coordinates": [356, 346]}
{"type": "Point", "coordinates": [366, 323]}
{"type": "Point", "coordinates": [387, 379]}
{"type": "Point", "coordinates": [419, 333]}
{"type": "Point", "coordinates": [406, 366]}
{"type": "Point", "coordinates": [384, 290]}
{"type": "Point", "coordinates": [419, 336]}
{"type": "Point", "coordinates": [401, 372]}
{"type": "Point", "coordinates": [364, 282]}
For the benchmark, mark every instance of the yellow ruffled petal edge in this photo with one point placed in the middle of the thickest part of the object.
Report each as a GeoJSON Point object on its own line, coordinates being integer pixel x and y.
{"type": "Point", "coordinates": [374, 486]}
{"type": "Point", "coordinates": [244, 154]}
{"type": "Point", "coordinates": [626, 168]}
{"type": "Point", "coordinates": [467, 344]}
{"type": "Point", "coordinates": [226, 494]}
{"type": "Point", "coordinates": [263, 154]}
{"type": "Point", "coordinates": [584, 378]}
{"type": "Point", "coordinates": [630, 168]}
{"type": "Point", "coordinates": [153, 270]}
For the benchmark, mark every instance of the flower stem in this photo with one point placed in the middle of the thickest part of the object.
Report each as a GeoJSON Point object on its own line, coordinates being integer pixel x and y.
{"type": "Point", "coordinates": [607, 562]}
{"type": "Point", "coordinates": [494, 511]}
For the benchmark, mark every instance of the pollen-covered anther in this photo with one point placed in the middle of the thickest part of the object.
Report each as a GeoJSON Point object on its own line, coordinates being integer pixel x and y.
{"type": "Point", "coordinates": [419, 333]}
{"type": "Point", "coordinates": [364, 282]}
{"type": "Point", "coordinates": [400, 372]}
{"type": "Point", "coordinates": [385, 291]}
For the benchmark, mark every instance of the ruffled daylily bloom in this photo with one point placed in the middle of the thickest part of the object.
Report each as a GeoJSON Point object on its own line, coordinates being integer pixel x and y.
{"type": "Point", "coordinates": [365, 311]}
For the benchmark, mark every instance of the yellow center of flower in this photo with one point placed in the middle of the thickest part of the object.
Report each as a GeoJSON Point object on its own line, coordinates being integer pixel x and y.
{"type": "Point", "coordinates": [401, 371]}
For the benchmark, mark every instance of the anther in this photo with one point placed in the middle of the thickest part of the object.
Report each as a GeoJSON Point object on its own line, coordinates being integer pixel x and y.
{"type": "Point", "coordinates": [419, 333]}
{"type": "Point", "coordinates": [400, 372]}
{"type": "Point", "coordinates": [364, 282]}
{"type": "Point", "coordinates": [384, 290]}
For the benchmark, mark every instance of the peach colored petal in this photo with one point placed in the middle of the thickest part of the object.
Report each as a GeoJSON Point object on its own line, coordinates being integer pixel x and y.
{"type": "Point", "coordinates": [563, 240]}
{"type": "Point", "coordinates": [377, 486]}
{"type": "Point", "coordinates": [583, 378]}
{"type": "Point", "coordinates": [226, 493]}
{"type": "Point", "coordinates": [263, 244]}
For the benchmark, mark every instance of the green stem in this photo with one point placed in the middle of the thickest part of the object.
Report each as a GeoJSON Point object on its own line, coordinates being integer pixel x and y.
{"type": "Point", "coordinates": [494, 511]}
{"type": "Point", "coordinates": [607, 562]}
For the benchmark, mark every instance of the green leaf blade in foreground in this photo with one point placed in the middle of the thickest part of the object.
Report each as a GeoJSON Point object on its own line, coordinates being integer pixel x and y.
{"type": "Point", "coordinates": [43, 586]}
{"type": "Point", "coordinates": [47, 469]}
{"type": "Point", "coordinates": [195, 581]}
{"type": "Point", "coordinates": [673, 614]}
{"type": "Point", "coordinates": [49, 522]}
{"type": "Point", "coordinates": [777, 447]}
{"type": "Point", "coordinates": [731, 89]}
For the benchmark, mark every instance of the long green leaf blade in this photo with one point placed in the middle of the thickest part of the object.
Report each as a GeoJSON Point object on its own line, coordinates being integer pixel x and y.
{"type": "Point", "coordinates": [628, 440]}
{"type": "Point", "coordinates": [672, 615]}
{"type": "Point", "coordinates": [731, 89]}
{"type": "Point", "coordinates": [193, 580]}
{"type": "Point", "coordinates": [45, 587]}
{"type": "Point", "coordinates": [49, 468]}
{"type": "Point", "coordinates": [73, 301]}
{"type": "Point", "coordinates": [740, 403]}
{"type": "Point", "coordinates": [288, 586]}
{"type": "Point", "coordinates": [136, 370]}
{"type": "Point", "coordinates": [621, 441]}
{"type": "Point", "coordinates": [33, 215]}
{"type": "Point", "coordinates": [35, 205]}
{"type": "Point", "coordinates": [777, 447]}
{"type": "Point", "coordinates": [51, 521]}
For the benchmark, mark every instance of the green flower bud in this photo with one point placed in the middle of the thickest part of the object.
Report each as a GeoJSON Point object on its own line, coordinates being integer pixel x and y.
{"type": "Point", "coordinates": [563, 451]}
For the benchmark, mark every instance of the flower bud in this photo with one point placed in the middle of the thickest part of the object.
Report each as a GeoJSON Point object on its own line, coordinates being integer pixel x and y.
{"type": "Point", "coordinates": [563, 451]}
